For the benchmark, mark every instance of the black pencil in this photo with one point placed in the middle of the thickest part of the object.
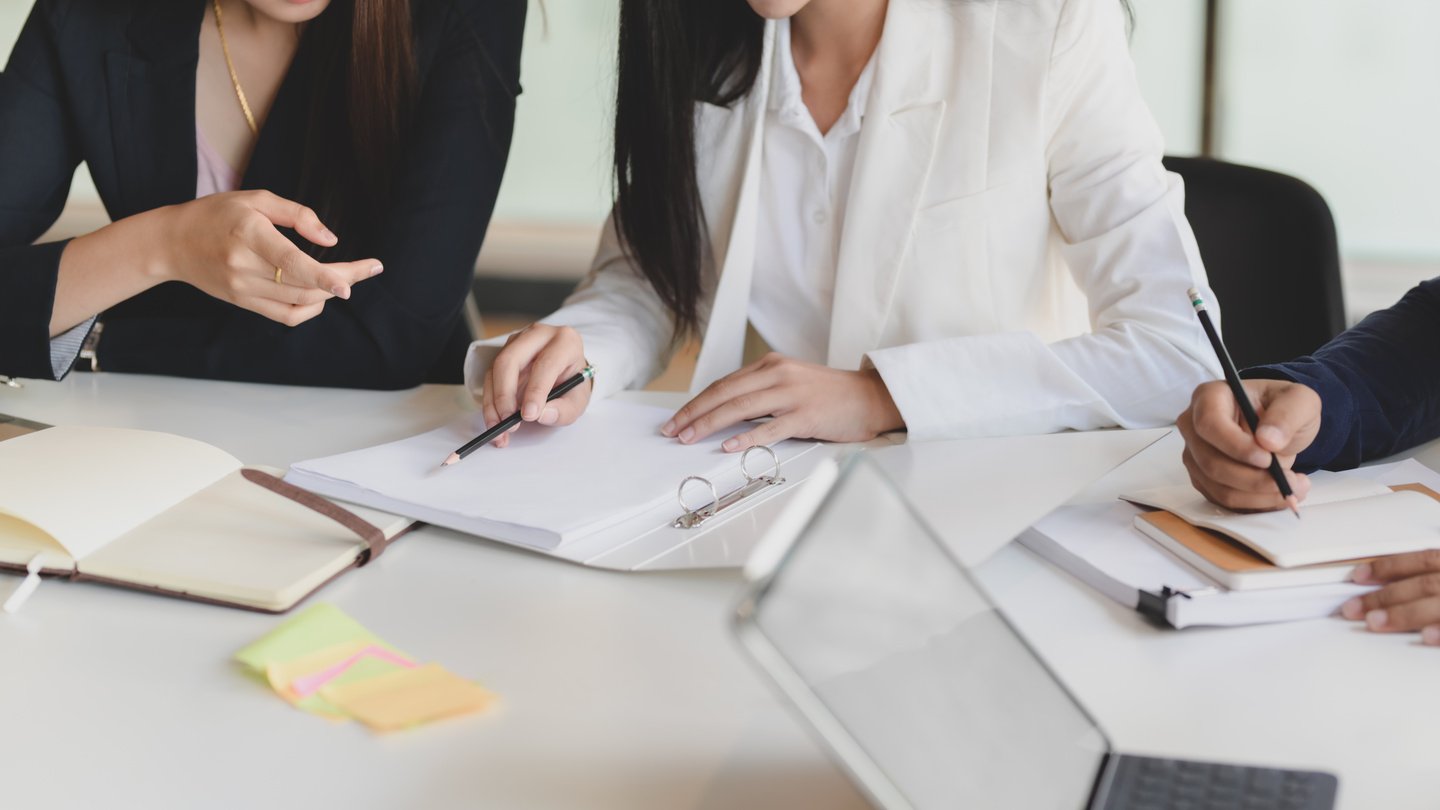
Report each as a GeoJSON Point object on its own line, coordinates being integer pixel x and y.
{"type": "Point", "coordinates": [514, 419]}
{"type": "Point", "coordinates": [1246, 407]}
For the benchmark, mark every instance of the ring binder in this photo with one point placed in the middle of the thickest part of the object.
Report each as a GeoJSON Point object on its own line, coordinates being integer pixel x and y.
{"type": "Point", "coordinates": [692, 518]}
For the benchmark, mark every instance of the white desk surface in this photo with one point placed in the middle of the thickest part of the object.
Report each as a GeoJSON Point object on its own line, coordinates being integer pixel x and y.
{"type": "Point", "coordinates": [620, 690]}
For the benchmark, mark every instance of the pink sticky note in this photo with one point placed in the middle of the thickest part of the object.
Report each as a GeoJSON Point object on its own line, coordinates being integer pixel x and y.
{"type": "Point", "coordinates": [310, 684]}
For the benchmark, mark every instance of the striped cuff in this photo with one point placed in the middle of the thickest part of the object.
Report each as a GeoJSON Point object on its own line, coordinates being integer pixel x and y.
{"type": "Point", "coordinates": [65, 348]}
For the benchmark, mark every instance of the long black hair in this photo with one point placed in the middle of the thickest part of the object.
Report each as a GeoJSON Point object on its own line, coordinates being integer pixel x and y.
{"type": "Point", "coordinates": [363, 95]}
{"type": "Point", "coordinates": [674, 53]}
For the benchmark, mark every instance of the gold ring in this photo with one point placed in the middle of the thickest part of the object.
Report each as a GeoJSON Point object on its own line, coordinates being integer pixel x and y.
{"type": "Point", "coordinates": [278, 273]}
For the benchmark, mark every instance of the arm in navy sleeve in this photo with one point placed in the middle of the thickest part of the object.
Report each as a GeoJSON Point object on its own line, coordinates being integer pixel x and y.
{"type": "Point", "coordinates": [1379, 383]}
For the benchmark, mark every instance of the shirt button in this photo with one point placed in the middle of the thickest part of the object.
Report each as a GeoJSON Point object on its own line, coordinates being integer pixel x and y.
{"type": "Point", "coordinates": [820, 217]}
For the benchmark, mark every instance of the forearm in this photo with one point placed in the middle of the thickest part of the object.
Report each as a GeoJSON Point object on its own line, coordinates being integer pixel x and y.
{"type": "Point", "coordinates": [103, 268]}
{"type": "Point", "coordinates": [1379, 383]}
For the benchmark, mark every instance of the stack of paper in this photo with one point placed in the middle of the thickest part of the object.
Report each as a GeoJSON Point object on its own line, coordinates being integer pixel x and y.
{"type": "Point", "coordinates": [326, 663]}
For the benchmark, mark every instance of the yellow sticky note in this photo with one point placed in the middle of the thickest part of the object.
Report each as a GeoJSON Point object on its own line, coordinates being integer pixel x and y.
{"type": "Point", "coordinates": [408, 697]}
{"type": "Point", "coordinates": [316, 628]}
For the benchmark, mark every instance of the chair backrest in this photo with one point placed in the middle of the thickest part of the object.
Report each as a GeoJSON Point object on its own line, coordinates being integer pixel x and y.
{"type": "Point", "coordinates": [1268, 241]}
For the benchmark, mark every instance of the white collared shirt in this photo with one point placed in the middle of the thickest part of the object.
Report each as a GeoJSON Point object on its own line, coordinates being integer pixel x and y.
{"type": "Point", "coordinates": [804, 186]}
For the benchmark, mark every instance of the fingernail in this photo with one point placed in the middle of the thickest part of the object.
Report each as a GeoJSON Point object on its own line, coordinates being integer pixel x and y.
{"type": "Point", "coordinates": [730, 445]}
{"type": "Point", "coordinates": [1376, 619]}
{"type": "Point", "coordinates": [529, 412]}
{"type": "Point", "coordinates": [1431, 635]}
{"type": "Point", "coordinates": [669, 429]}
{"type": "Point", "coordinates": [1259, 459]}
{"type": "Point", "coordinates": [377, 270]}
{"type": "Point", "coordinates": [1352, 609]}
{"type": "Point", "coordinates": [1271, 435]}
{"type": "Point", "coordinates": [549, 416]}
{"type": "Point", "coordinates": [687, 434]}
{"type": "Point", "coordinates": [1362, 573]}
{"type": "Point", "coordinates": [328, 235]}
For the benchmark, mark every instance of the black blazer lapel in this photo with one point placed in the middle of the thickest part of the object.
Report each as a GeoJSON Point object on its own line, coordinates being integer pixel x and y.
{"type": "Point", "coordinates": [151, 93]}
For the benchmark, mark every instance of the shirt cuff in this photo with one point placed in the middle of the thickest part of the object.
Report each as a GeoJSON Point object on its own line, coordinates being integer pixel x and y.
{"type": "Point", "coordinates": [65, 348]}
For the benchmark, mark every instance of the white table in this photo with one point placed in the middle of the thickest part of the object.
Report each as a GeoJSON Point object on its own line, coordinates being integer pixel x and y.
{"type": "Point", "coordinates": [620, 690]}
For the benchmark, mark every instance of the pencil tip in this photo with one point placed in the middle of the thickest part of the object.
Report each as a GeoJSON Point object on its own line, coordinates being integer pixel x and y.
{"type": "Point", "coordinates": [454, 457]}
{"type": "Point", "coordinates": [1294, 504]}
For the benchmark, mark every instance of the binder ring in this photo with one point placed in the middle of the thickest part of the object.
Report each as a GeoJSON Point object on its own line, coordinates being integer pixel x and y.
{"type": "Point", "coordinates": [705, 511]}
{"type": "Point", "coordinates": [774, 463]}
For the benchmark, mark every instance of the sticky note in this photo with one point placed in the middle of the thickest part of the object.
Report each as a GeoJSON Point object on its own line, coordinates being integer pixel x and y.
{"type": "Point", "coordinates": [408, 697]}
{"type": "Point", "coordinates": [316, 628]}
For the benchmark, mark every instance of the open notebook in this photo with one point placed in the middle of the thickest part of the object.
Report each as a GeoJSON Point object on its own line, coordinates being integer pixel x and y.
{"type": "Point", "coordinates": [1345, 518]}
{"type": "Point", "coordinates": [169, 514]}
{"type": "Point", "coordinates": [581, 492]}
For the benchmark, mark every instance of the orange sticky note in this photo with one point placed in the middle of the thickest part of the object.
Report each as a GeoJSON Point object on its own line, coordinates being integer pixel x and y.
{"type": "Point", "coordinates": [408, 697]}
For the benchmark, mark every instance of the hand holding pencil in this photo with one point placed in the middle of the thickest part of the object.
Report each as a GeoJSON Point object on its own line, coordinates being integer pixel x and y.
{"type": "Point", "coordinates": [1241, 437]}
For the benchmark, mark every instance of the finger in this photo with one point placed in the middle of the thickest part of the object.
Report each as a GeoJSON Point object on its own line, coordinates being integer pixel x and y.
{"type": "Point", "coordinates": [1289, 418]}
{"type": "Point", "coordinates": [1265, 498]}
{"type": "Point", "coordinates": [301, 270]}
{"type": "Point", "coordinates": [743, 407]}
{"type": "Point", "coordinates": [283, 313]}
{"type": "Point", "coordinates": [1398, 566]}
{"type": "Point", "coordinates": [246, 287]}
{"type": "Point", "coordinates": [1404, 617]}
{"type": "Point", "coordinates": [1207, 462]}
{"type": "Point", "coordinates": [1431, 635]}
{"type": "Point", "coordinates": [776, 430]}
{"type": "Point", "coordinates": [290, 214]}
{"type": "Point", "coordinates": [745, 381]}
{"type": "Point", "coordinates": [551, 366]}
{"type": "Point", "coordinates": [1215, 420]}
{"type": "Point", "coordinates": [1396, 593]}
{"type": "Point", "coordinates": [566, 409]}
{"type": "Point", "coordinates": [508, 366]}
{"type": "Point", "coordinates": [487, 400]}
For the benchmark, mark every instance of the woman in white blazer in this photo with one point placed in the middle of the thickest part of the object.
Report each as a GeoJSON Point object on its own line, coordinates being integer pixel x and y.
{"type": "Point", "coordinates": [943, 215]}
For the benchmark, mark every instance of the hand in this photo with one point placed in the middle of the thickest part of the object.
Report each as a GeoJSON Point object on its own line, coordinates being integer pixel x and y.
{"type": "Point", "coordinates": [227, 245]}
{"type": "Point", "coordinates": [1410, 599]}
{"type": "Point", "coordinates": [534, 361]}
{"type": "Point", "coordinates": [808, 401]}
{"type": "Point", "coordinates": [1229, 465]}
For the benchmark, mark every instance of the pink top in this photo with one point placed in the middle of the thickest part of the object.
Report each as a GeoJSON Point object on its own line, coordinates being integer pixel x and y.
{"type": "Point", "coordinates": [213, 175]}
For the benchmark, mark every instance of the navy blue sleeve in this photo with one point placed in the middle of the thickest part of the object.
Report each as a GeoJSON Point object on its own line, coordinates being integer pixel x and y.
{"type": "Point", "coordinates": [1379, 382]}
{"type": "Point", "coordinates": [38, 156]}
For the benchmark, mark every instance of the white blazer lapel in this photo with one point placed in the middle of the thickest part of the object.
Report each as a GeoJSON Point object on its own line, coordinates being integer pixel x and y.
{"type": "Point", "coordinates": [731, 215]}
{"type": "Point", "coordinates": [896, 157]}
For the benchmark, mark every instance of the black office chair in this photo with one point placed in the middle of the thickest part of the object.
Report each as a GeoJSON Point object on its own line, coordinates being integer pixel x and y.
{"type": "Point", "coordinates": [1268, 241]}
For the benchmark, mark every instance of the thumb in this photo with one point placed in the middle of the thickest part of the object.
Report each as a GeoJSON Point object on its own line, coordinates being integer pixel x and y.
{"type": "Point", "coordinates": [566, 409]}
{"type": "Point", "coordinates": [1288, 422]}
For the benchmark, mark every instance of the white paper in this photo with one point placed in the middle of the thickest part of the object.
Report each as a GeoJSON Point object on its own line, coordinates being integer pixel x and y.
{"type": "Point", "coordinates": [85, 486]}
{"type": "Point", "coordinates": [552, 485]}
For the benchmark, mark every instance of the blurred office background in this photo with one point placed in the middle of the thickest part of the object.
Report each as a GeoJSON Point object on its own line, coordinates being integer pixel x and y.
{"type": "Point", "coordinates": [1340, 94]}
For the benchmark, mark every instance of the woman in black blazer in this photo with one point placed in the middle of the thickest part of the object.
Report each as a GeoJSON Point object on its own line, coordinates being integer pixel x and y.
{"type": "Point", "coordinates": [364, 134]}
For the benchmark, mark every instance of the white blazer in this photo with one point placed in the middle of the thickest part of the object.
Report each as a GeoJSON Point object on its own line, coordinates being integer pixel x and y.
{"type": "Point", "coordinates": [1015, 259]}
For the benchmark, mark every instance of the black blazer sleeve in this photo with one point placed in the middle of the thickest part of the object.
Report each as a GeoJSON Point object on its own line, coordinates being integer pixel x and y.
{"type": "Point", "coordinates": [1379, 382]}
{"type": "Point", "coordinates": [396, 327]}
{"type": "Point", "coordinates": [38, 156]}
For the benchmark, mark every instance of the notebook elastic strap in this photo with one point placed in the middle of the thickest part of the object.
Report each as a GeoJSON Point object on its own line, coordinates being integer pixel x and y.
{"type": "Point", "coordinates": [371, 535]}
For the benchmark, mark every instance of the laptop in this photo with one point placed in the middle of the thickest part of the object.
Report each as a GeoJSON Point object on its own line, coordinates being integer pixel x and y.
{"type": "Point", "coordinates": [924, 691]}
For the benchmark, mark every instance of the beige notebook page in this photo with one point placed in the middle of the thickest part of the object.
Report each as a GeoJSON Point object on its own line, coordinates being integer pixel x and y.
{"type": "Point", "coordinates": [234, 542]}
{"type": "Point", "coordinates": [85, 486]}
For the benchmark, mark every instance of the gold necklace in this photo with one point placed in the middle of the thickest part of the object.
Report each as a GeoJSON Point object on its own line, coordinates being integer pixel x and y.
{"type": "Point", "coordinates": [234, 77]}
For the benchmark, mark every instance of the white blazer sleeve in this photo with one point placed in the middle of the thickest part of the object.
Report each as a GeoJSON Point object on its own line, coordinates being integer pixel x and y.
{"type": "Point", "coordinates": [624, 324]}
{"type": "Point", "coordinates": [1128, 246]}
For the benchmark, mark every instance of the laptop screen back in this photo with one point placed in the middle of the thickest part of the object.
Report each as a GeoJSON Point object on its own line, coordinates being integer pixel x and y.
{"type": "Point", "coordinates": [911, 659]}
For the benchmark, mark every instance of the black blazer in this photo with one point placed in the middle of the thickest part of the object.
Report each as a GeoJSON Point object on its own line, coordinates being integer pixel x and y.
{"type": "Point", "coordinates": [112, 83]}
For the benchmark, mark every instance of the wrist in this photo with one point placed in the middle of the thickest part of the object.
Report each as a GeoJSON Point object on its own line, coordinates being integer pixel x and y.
{"type": "Point", "coordinates": [885, 412]}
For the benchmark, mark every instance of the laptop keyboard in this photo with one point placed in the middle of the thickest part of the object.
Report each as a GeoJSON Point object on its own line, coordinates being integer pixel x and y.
{"type": "Point", "coordinates": [1146, 783]}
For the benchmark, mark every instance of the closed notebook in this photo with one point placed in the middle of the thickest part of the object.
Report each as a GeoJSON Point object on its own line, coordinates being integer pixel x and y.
{"type": "Point", "coordinates": [168, 514]}
{"type": "Point", "coordinates": [1346, 519]}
